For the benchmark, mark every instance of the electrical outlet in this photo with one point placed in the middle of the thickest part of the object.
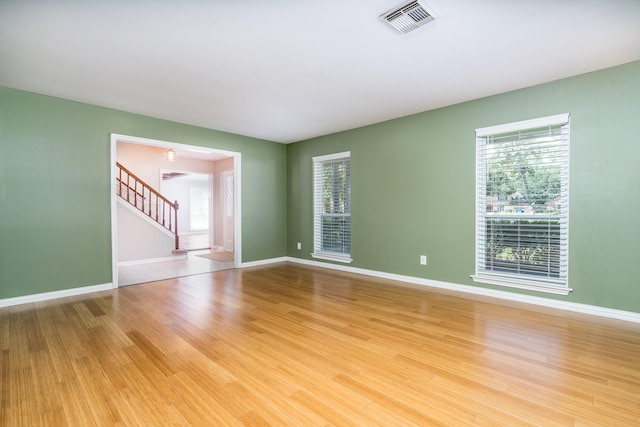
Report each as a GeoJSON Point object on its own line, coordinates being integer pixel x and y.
{"type": "Point", "coordinates": [299, 245]}
{"type": "Point", "coordinates": [423, 260]}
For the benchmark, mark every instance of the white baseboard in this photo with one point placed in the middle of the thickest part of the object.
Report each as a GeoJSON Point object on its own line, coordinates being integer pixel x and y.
{"type": "Point", "coordinates": [7, 302]}
{"type": "Point", "coordinates": [152, 260]}
{"type": "Point", "coordinates": [528, 299]}
{"type": "Point", "coordinates": [264, 262]}
{"type": "Point", "coordinates": [545, 302]}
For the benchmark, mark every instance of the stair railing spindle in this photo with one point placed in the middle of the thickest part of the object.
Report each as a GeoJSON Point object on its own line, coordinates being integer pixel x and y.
{"type": "Point", "coordinates": [143, 191]}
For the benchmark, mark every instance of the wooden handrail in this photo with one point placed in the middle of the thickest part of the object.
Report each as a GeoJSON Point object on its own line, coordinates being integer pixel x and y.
{"type": "Point", "coordinates": [148, 200]}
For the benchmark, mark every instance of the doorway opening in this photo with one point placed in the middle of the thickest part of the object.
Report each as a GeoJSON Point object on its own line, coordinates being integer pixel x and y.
{"type": "Point", "coordinates": [204, 185]}
{"type": "Point", "coordinates": [194, 193]}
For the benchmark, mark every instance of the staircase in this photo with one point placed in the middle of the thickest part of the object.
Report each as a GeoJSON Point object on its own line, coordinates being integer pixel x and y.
{"type": "Point", "coordinates": [147, 200]}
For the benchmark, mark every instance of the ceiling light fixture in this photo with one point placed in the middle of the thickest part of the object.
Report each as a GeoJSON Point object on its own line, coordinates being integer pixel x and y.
{"type": "Point", "coordinates": [408, 16]}
{"type": "Point", "coordinates": [171, 155]}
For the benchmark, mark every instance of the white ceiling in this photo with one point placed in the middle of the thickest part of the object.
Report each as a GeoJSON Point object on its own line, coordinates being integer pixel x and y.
{"type": "Point", "coordinates": [289, 70]}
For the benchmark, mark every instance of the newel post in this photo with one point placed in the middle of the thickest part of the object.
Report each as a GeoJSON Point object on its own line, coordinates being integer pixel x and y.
{"type": "Point", "coordinates": [175, 210]}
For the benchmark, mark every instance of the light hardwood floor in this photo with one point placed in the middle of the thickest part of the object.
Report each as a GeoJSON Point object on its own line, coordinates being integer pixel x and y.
{"type": "Point", "coordinates": [288, 345]}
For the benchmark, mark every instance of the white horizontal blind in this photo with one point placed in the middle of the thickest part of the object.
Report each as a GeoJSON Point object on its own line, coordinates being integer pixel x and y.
{"type": "Point", "coordinates": [522, 203]}
{"type": "Point", "coordinates": [332, 205]}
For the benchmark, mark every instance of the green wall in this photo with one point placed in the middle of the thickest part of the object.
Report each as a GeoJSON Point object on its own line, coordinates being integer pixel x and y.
{"type": "Point", "coordinates": [55, 225]}
{"type": "Point", "coordinates": [412, 179]}
{"type": "Point", "coordinates": [413, 186]}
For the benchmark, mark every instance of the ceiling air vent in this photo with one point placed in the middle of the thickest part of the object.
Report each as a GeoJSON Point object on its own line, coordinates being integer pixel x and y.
{"type": "Point", "coordinates": [408, 16]}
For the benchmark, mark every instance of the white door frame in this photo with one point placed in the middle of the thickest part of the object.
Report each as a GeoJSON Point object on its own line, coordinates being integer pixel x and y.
{"type": "Point", "coordinates": [228, 235]}
{"type": "Point", "coordinates": [237, 253]}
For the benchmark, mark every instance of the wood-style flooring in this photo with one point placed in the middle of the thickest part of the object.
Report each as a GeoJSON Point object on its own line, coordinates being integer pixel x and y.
{"type": "Point", "coordinates": [289, 345]}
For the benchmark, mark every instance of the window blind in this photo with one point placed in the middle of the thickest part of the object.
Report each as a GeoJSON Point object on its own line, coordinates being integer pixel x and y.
{"type": "Point", "coordinates": [332, 206]}
{"type": "Point", "coordinates": [522, 204]}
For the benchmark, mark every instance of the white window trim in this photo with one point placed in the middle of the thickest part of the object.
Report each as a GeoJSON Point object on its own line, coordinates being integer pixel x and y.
{"type": "Point", "coordinates": [496, 279]}
{"type": "Point", "coordinates": [333, 156]}
{"type": "Point", "coordinates": [337, 258]}
{"type": "Point", "coordinates": [560, 287]}
{"type": "Point", "coordinates": [327, 256]}
{"type": "Point", "coordinates": [558, 119]}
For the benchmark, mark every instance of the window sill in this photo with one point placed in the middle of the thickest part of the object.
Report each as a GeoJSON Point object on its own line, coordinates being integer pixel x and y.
{"type": "Point", "coordinates": [523, 284]}
{"type": "Point", "coordinates": [329, 257]}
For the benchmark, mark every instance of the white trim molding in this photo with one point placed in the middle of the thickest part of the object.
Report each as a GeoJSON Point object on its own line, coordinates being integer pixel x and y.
{"type": "Point", "coordinates": [180, 257]}
{"type": "Point", "coordinates": [264, 262]}
{"type": "Point", "coordinates": [558, 119]}
{"type": "Point", "coordinates": [335, 258]}
{"type": "Point", "coordinates": [332, 156]}
{"type": "Point", "coordinates": [522, 284]}
{"type": "Point", "coordinates": [594, 310]}
{"type": "Point", "coordinates": [7, 302]}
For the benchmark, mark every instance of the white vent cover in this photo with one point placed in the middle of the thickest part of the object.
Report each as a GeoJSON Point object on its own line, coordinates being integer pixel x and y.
{"type": "Point", "coordinates": [408, 16]}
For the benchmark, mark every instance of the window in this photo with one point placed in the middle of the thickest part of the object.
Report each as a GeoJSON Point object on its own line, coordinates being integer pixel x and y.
{"type": "Point", "coordinates": [522, 201]}
{"type": "Point", "coordinates": [332, 207]}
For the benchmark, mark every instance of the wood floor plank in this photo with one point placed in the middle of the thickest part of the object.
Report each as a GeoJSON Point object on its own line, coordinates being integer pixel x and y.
{"type": "Point", "coordinates": [290, 345]}
{"type": "Point", "coordinates": [388, 400]}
